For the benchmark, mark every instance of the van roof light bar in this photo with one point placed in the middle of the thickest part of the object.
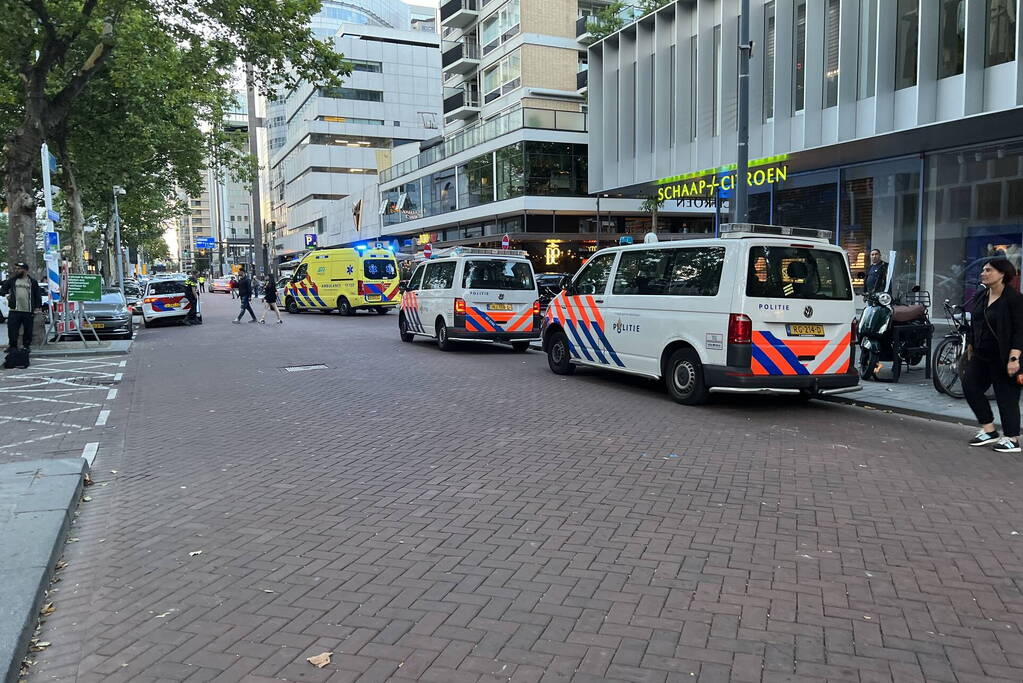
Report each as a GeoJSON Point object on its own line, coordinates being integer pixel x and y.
{"type": "Point", "coordinates": [482, 251]}
{"type": "Point", "coordinates": [736, 230]}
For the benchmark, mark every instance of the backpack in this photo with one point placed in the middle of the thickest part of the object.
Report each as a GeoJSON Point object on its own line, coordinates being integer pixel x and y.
{"type": "Point", "coordinates": [16, 358]}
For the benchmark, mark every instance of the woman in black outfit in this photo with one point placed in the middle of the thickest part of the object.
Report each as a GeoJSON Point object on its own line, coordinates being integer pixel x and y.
{"type": "Point", "coordinates": [994, 356]}
{"type": "Point", "coordinates": [270, 300]}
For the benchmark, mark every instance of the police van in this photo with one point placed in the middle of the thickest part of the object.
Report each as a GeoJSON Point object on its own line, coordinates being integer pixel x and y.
{"type": "Point", "coordinates": [346, 280]}
{"type": "Point", "coordinates": [763, 309]}
{"type": "Point", "coordinates": [472, 294]}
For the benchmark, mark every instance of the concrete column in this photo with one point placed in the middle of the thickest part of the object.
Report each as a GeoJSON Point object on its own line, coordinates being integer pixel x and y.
{"type": "Point", "coordinates": [927, 64]}
{"type": "Point", "coordinates": [848, 78]}
{"type": "Point", "coordinates": [973, 59]}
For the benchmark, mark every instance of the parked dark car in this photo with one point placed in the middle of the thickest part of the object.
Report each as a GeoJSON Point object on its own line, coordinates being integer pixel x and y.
{"type": "Point", "coordinates": [109, 317]}
{"type": "Point", "coordinates": [548, 285]}
{"type": "Point", "coordinates": [133, 294]}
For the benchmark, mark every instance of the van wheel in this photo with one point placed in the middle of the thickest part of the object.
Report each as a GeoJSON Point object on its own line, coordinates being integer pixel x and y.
{"type": "Point", "coordinates": [683, 375]}
{"type": "Point", "coordinates": [558, 357]}
{"type": "Point", "coordinates": [344, 308]}
{"type": "Point", "coordinates": [403, 331]}
{"type": "Point", "coordinates": [291, 306]}
{"type": "Point", "coordinates": [443, 343]}
{"type": "Point", "coordinates": [520, 347]}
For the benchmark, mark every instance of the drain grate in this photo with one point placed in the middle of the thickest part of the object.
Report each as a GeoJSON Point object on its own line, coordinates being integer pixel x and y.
{"type": "Point", "coordinates": [304, 368]}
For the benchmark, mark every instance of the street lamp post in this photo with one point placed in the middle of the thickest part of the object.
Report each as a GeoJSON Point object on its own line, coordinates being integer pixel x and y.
{"type": "Point", "coordinates": [742, 160]}
{"type": "Point", "coordinates": [118, 191]}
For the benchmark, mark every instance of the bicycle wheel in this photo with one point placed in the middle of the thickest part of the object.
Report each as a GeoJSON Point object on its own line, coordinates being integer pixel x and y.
{"type": "Point", "coordinates": [946, 375]}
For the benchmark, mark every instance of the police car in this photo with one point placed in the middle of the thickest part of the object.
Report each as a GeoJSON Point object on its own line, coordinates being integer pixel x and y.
{"type": "Point", "coordinates": [472, 294]}
{"type": "Point", "coordinates": [763, 309]}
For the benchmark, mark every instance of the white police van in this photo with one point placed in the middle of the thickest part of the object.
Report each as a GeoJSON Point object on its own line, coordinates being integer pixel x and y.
{"type": "Point", "coordinates": [472, 294]}
{"type": "Point", "coordinates": [763, 309]}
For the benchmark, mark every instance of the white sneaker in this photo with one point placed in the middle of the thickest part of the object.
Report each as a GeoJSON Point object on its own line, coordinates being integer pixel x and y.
{"type": "Point", "coordinates": [1006, 445]}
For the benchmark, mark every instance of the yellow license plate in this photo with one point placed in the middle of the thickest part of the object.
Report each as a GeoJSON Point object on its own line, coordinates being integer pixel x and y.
{"type": "Point", "coordinates": [373, 297]}
{"type": "Point", "coordinates": [96, 326]}
{"type": "Point", "coordinates": [499, 307]}
{"type": "Point", "coordinates": [805, 330]}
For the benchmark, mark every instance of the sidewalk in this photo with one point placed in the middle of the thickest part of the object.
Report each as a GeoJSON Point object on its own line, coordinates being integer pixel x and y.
{"type": "Point", "coordinates": [914, 394]}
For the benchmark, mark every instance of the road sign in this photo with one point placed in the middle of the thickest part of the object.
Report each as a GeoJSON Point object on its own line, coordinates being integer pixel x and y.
{"type": "Point", "coordinates": [505, 241]}
{"type": "Point", "coordinates": [52, 241]}
{"type": "Point", "coordinates": [205, 243]}
{"type": "Point", "coordinates": [310, 239]}
{"type": "Point", "coordinates": [428, 250]}
{"type": "Point", "coordinates": [81, 287]}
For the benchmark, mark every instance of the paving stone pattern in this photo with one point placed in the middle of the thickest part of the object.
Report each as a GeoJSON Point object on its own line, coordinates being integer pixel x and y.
{"type": "Point", "coordinates": [470, 516]}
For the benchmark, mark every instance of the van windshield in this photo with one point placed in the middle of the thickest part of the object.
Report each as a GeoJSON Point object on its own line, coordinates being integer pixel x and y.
{"type": "Point", "coordinates": [379, 269]}
{"type": "Point", "coordinates": [797, 273]}
{"type": "Point", "coordinates": [497, 274]}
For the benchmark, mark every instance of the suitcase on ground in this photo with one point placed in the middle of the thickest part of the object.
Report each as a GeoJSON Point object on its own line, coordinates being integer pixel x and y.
{"type": "Point", "coordinates": [16, 358]}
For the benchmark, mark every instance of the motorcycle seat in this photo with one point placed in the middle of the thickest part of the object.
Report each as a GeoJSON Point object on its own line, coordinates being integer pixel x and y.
{"type": "Point", "coordinates": [905, 314]}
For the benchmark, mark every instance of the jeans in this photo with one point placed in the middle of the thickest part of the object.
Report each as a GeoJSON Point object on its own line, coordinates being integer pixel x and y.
{"type": "Point", "coordinates": [982, 373]}
{"type": "Point", "coordinates": [23, 321]}
{"type": "Point", "coordinates": [246, 306]}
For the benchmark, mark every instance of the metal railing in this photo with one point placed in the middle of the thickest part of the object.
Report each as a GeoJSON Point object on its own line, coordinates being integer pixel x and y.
{"type": "Point", "coordinates": [456, 50]}
{"type": "Point", "coordinates": [580, 26]}
{"type": "Point", "coordinates": [581, 79]}
{"type": "Point", "coordinates": [477, 134]}
{"type": "Point", "coordinates": [453, 6]}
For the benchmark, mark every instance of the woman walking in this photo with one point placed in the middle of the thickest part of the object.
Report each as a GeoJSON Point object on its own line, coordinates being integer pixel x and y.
{"type": "Point", "coordinates": [270, 300]}
{"type": "Point", "coordinates": [994, 356]}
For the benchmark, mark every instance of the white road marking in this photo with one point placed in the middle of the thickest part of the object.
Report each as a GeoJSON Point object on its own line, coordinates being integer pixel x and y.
{"type": "Point", "coordinates": [89, 452]}
{"type": "Point", "coordinates": [112, 394]}
{"type": "Point", "coordinates": [117, 377]}
{"type": "Point", "coordinates": [122, 363]}
{"type": "Point", "coordinates": [102, 418]}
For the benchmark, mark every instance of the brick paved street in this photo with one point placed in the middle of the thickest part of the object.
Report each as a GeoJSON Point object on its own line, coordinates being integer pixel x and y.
{"type": "Point", "coordinates": [470, 516]}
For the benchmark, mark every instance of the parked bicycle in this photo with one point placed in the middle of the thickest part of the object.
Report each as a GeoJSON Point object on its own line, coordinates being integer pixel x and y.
{"type": "Point", "coordinates": [950, 355]}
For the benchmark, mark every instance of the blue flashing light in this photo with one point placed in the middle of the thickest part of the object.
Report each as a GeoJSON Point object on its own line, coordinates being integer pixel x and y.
{"type": "Point", "coordinates": [361, 247]}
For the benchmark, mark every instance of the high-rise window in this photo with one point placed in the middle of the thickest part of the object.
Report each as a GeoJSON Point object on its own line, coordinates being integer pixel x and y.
{"type": "Point", "coordinates": [867, 63]}
{"type": "Point", "coordinates": [502, 77]}
{"type": "Point", "coordinates": [832, 11]}
{"type": "Point", "coordinates": [500, 26]}
{"type": "Point", "coordinates": [799, 56]}
{"type": "Point", "coordinates": [907, 33]}
{"type": "Point", "coordinates": [1001, 32]}
{"type": "Point", "coordinates": [951, 37]}
{"type": "Point", "coordinates": [769, 60]}
{"type": "Point", "coordinates": [716, 81]}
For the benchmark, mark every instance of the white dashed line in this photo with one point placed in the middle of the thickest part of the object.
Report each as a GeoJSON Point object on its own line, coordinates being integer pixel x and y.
{"type": "Point", "coordinates": [122, 364]}
{"type": "Point", "coordinates": [117, 377]}
{"type": "Point", "coordinates": [89, 452]}
{"type": "Point", "coordinates": [102, 419]}
{"type": "Point", "coordinates": [112, 394]}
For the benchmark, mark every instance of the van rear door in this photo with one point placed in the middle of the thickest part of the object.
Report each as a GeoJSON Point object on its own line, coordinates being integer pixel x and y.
{"type": "Point", "coordinates": [799, 298]}
{"type": "Point", "coordinates": [499, 295]}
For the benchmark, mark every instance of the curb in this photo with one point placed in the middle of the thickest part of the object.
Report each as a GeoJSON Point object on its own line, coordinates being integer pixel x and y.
{"type": "Point", "coordinates": [51, 350]}
{"type": "Point", "coordinates": [33, 537]}
{"type": "Point", "coordinates": [940, 417]}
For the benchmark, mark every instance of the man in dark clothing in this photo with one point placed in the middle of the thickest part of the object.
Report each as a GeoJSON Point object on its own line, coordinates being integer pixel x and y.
{"type": "Point", "coordinates": [877, 273]}
{"type": "Point", "coordinates": [192, 294]}
{"type": "Point", "coordinates": [26, 298]}
{"type": "Point", "coordinates": [244, 288]}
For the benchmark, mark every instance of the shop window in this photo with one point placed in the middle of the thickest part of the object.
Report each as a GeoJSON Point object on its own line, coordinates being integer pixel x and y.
{"type": "Point", "coordinates": [1015, 199]}
{"type": "Point", "coordinates": [907, 33]}
{"type": "Point", "coordinates": [475, 181]}
{"type": "Point", "coordinates": [951, 37]}
{"type": "Point", "coordinates": [769, 60]}
{"type": "Point", "coordinates": [1001, 32]}
{"type": "Point", "coordinates": [867, 61]}
{"type": "Point", "coordinates": [554, 168]}
{"type": "Point", "coordinates": [510, 171]}
{"type": "Point", "coordinates": [989, 200]}
{"type": "Point", "coordinates": [831, 24]}
{"type": "Point", "coordinates": [799, 56]}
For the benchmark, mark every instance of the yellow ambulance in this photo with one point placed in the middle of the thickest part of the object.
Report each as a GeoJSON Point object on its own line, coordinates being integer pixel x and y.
{"type": "Point", "coordinates": [345, 280]}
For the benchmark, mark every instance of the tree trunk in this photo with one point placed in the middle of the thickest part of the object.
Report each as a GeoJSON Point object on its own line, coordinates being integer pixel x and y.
{"type": "Point", "coordinates": [74, 202]}
{"type": "Point", "coordinates": [653, 219]}
{"type": "Point", "coordinates": [109, 267]}
{"type": "Point", "coordinates": [22, 151]}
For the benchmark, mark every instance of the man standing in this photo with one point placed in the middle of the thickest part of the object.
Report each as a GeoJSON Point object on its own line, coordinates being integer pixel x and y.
{"type": "Point", "coordinates": [877, 273]}
{"type": "Point", "coordinates": [202, 283]}
{"type": "Point", "coordinates": [192, 295]}
{"type": "Point", "coordinates": [244, 288]}
{"type": "Point", "coordinates": [25, 298]}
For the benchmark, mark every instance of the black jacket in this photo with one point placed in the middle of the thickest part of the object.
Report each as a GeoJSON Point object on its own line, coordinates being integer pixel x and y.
{"type": "Point", "coordinates": [877, 277]}
{"type": "Point", "coordinates": [7, 289]}
{"type": "Point", "coordinates": [1009, 321]}
{"type": "Point", "coordinates": [244, 286]}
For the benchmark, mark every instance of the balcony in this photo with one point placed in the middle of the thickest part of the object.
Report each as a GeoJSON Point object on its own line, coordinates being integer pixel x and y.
{"type": "Point", "coordinates": [459, 13]}
{"type": "Point", "coordinates": [580, 28]}
{"type": "Point", "coordinates": [581, 80]}
{"type": "Point", "coordinates": [460, 57]}
{"type": "Point", "coordinates": [460, 104]}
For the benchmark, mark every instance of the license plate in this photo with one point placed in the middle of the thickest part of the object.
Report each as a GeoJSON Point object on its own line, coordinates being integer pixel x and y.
{"type": "Point", "coordinates": [499, 307]}
{"type": "Point", "coordinates": [805, 330]}
{"type": "Point", "coordinates": [373, 297]}
{"type": "Point", "coordinates": [172, 305]}
{"type": "Point", "coordinates": [95, 326]}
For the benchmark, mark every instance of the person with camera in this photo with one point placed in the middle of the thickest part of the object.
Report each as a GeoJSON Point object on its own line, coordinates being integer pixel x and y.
{"type": "Point", "coordinates": [993, 356]}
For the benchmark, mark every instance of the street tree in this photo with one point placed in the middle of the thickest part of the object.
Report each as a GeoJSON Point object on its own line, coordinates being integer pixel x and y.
{"type": "Point", "coordinates": [54, 50]}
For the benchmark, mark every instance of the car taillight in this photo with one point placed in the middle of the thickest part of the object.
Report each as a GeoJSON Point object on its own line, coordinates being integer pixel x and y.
{"type": "Point", "coordinates": [459, 307]}
{"type": "Point", "coordinates": [150, 299]}
{"type": "Point", "coordinates": [740, 329]}
{"type": "Point", "coordinates": [536, 307]}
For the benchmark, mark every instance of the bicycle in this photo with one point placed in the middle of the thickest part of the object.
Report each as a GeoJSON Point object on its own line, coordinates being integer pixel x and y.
{"type": "Point", "coordinates": [950, 355]}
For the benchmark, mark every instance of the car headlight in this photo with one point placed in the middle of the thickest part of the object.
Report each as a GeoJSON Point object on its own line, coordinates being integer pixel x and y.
{"type": "Point", "coordinates": [884, 298]}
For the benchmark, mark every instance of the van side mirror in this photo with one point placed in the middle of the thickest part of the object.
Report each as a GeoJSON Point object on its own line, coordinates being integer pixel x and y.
{"type": "Point", "coordinates": [566, 283]}
{"type": "Point", "coordinates": [403, 286]}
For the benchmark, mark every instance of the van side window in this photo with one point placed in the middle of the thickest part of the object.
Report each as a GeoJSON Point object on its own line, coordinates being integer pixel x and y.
{"type": "Point", "coordinates": [644, 272]}
{"type": "Point", "coordinates": [439, 275]}
{"type": "Point", "coordinates": [593, 278]}
{"type": "Point", "coordinates": [300, 273]}
{"type": "Point", "coordinates": [697, 272]}
{"type": "Point", "coordinates": [416, 281]}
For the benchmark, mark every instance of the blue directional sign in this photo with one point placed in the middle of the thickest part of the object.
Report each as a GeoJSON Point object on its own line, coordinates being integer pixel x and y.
{"type": "Point", "coordinates": [310, 239]}
{"type": "Point", "coordinates": [53, 215]}
{"type": "Point", "coordinates": [205, 243]}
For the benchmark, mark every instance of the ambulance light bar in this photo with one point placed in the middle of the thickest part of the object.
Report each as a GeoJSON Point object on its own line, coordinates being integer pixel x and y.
{"type": "Point", "coordinates": [737, 230]}
{"type": "Point", "coordinates": [480, 251]}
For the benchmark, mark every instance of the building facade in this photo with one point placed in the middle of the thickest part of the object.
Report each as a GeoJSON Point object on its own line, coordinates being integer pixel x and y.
{"type": "Point", "coordinates": [896, 124]}
{"type": "Point", "coordinates": [513, 159]}
{"type": "Point", "coordinates": [327, 144]}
